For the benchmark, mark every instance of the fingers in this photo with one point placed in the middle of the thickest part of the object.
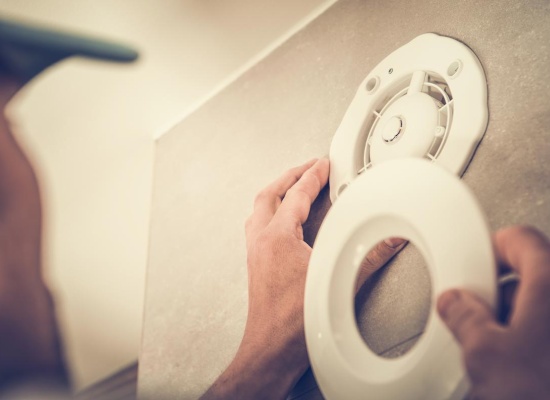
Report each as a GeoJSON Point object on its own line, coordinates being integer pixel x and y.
{"type": "Point", "coordinates": [523, 249]}
{"type": "Point", "coordinates": [296, 204]}
{"type": "Point", "coordinates": [269, 199]}
{"type": "Point", "coordinates": [378, 257]}
{"type": "Point", "coordinates": [526, 251]}
{"type": "Point", "coordinates": [466, 316]}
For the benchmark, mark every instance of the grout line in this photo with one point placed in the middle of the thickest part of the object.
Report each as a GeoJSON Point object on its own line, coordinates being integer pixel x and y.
{"type": "Point", "coordinates": [401, 343]}
{"type": "Point", "coordinates": [270, 48]}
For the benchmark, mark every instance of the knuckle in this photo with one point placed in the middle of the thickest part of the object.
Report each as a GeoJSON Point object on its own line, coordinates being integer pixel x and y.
{"type": "Point", "coordinates": [480, 350]}
{"type": "Point", "coordinates": [261, 196]}
{"type": "Point", "coordinates": [518, 230]}
{"type": "Point", "coordinates": [385, 251]}
{"type": "Point", "coordinates": [311, 180]}
{"type": "Point", "coordinates": [268, 247]}
{"type": "Point", "coordinates": [299, 194]}
{"type": "Point", "coordinates": [467, 316]}
{"type": "Point", "coordinates": [295, 172]}
{"type": "Point", "coordinates": [371, 261]}
{"type": "Point", "coordinates": [378, 256]}
{"type": "Point", "coordinates": [267, 243]}
{"type": "Point", "coordinates": [248, 223]}
{"type": "Point", "coordinates": [462, 318]}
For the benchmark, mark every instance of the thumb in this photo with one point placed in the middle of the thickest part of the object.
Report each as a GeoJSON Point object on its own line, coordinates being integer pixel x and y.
{"type": "Point", "coordinates": [464, 314]}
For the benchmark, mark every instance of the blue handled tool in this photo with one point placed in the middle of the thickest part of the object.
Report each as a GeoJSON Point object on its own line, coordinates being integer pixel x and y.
{"type": "Point", "coordinates": [27, 49]}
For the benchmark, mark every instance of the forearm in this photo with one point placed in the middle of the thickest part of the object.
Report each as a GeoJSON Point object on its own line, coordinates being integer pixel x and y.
{"type": "Point", "coordinates": [260, 371]}
{"type": "Point", "coordinates": [29, 340]}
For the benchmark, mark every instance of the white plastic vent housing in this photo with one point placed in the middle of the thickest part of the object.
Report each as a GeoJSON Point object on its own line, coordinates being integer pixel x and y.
{"type": "Point", "coordinates": [442, 217]}
{"type": "Point", "coordinates": [428, 99]}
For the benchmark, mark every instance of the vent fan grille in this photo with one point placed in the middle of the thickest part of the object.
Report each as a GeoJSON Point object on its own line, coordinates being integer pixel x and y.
{"type": "Point", "coordinates": [436, 87]}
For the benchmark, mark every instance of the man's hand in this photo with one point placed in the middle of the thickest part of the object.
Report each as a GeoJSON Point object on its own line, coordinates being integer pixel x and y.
{"type": "Point", "coordinates": [272, 355]}
{"type": "Point", "coordinates": [29, 341]}
{"type": "Point", "coordinates": [509, 361]}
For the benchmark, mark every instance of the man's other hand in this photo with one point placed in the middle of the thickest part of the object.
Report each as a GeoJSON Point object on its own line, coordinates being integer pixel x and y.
{"type": "Point", "coordinates": [512, 360]}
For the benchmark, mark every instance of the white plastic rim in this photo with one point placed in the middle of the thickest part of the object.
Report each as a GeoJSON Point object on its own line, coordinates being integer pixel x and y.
{"type": "Point", "coordinates": [428, 54]}
{"type": "Point", "coordinates": [426, 204]}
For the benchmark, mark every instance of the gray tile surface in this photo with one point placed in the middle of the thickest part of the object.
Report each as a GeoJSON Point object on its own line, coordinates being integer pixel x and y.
{"type": "Point", "coordinates": [284, 111]}
{"type": "Point", "coordinates": [401, 316]}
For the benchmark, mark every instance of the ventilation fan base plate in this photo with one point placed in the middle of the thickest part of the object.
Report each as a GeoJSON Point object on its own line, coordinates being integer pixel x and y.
{"type": "Point", "coordinates": [427, 99]}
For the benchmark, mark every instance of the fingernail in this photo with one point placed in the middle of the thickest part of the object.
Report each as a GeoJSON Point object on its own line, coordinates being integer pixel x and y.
{"type": "Point", "coordinates": [446, 300]}
{"type": "Point", "coordinates": [394, 242]}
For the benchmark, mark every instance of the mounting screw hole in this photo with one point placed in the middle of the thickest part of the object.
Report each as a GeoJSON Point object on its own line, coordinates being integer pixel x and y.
{"type": "Point", "coordinates": [390, 71]}
{"type": "Point", "coordinates": [342, 188]}
{"type": "Point", "coordinates": [372, 84]}
{"type": "Point", "coordinates": [454, 68]}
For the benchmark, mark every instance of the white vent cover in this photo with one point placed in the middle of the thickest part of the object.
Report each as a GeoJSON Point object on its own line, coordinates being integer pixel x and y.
{"type": "Point", "coordinates": [453, 236]}
{"type": "Point", "coordinates": [428, 99]}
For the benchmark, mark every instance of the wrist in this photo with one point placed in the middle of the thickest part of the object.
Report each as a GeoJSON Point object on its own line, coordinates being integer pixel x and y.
{"type": "Point", "coordinates": [266, 368]}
